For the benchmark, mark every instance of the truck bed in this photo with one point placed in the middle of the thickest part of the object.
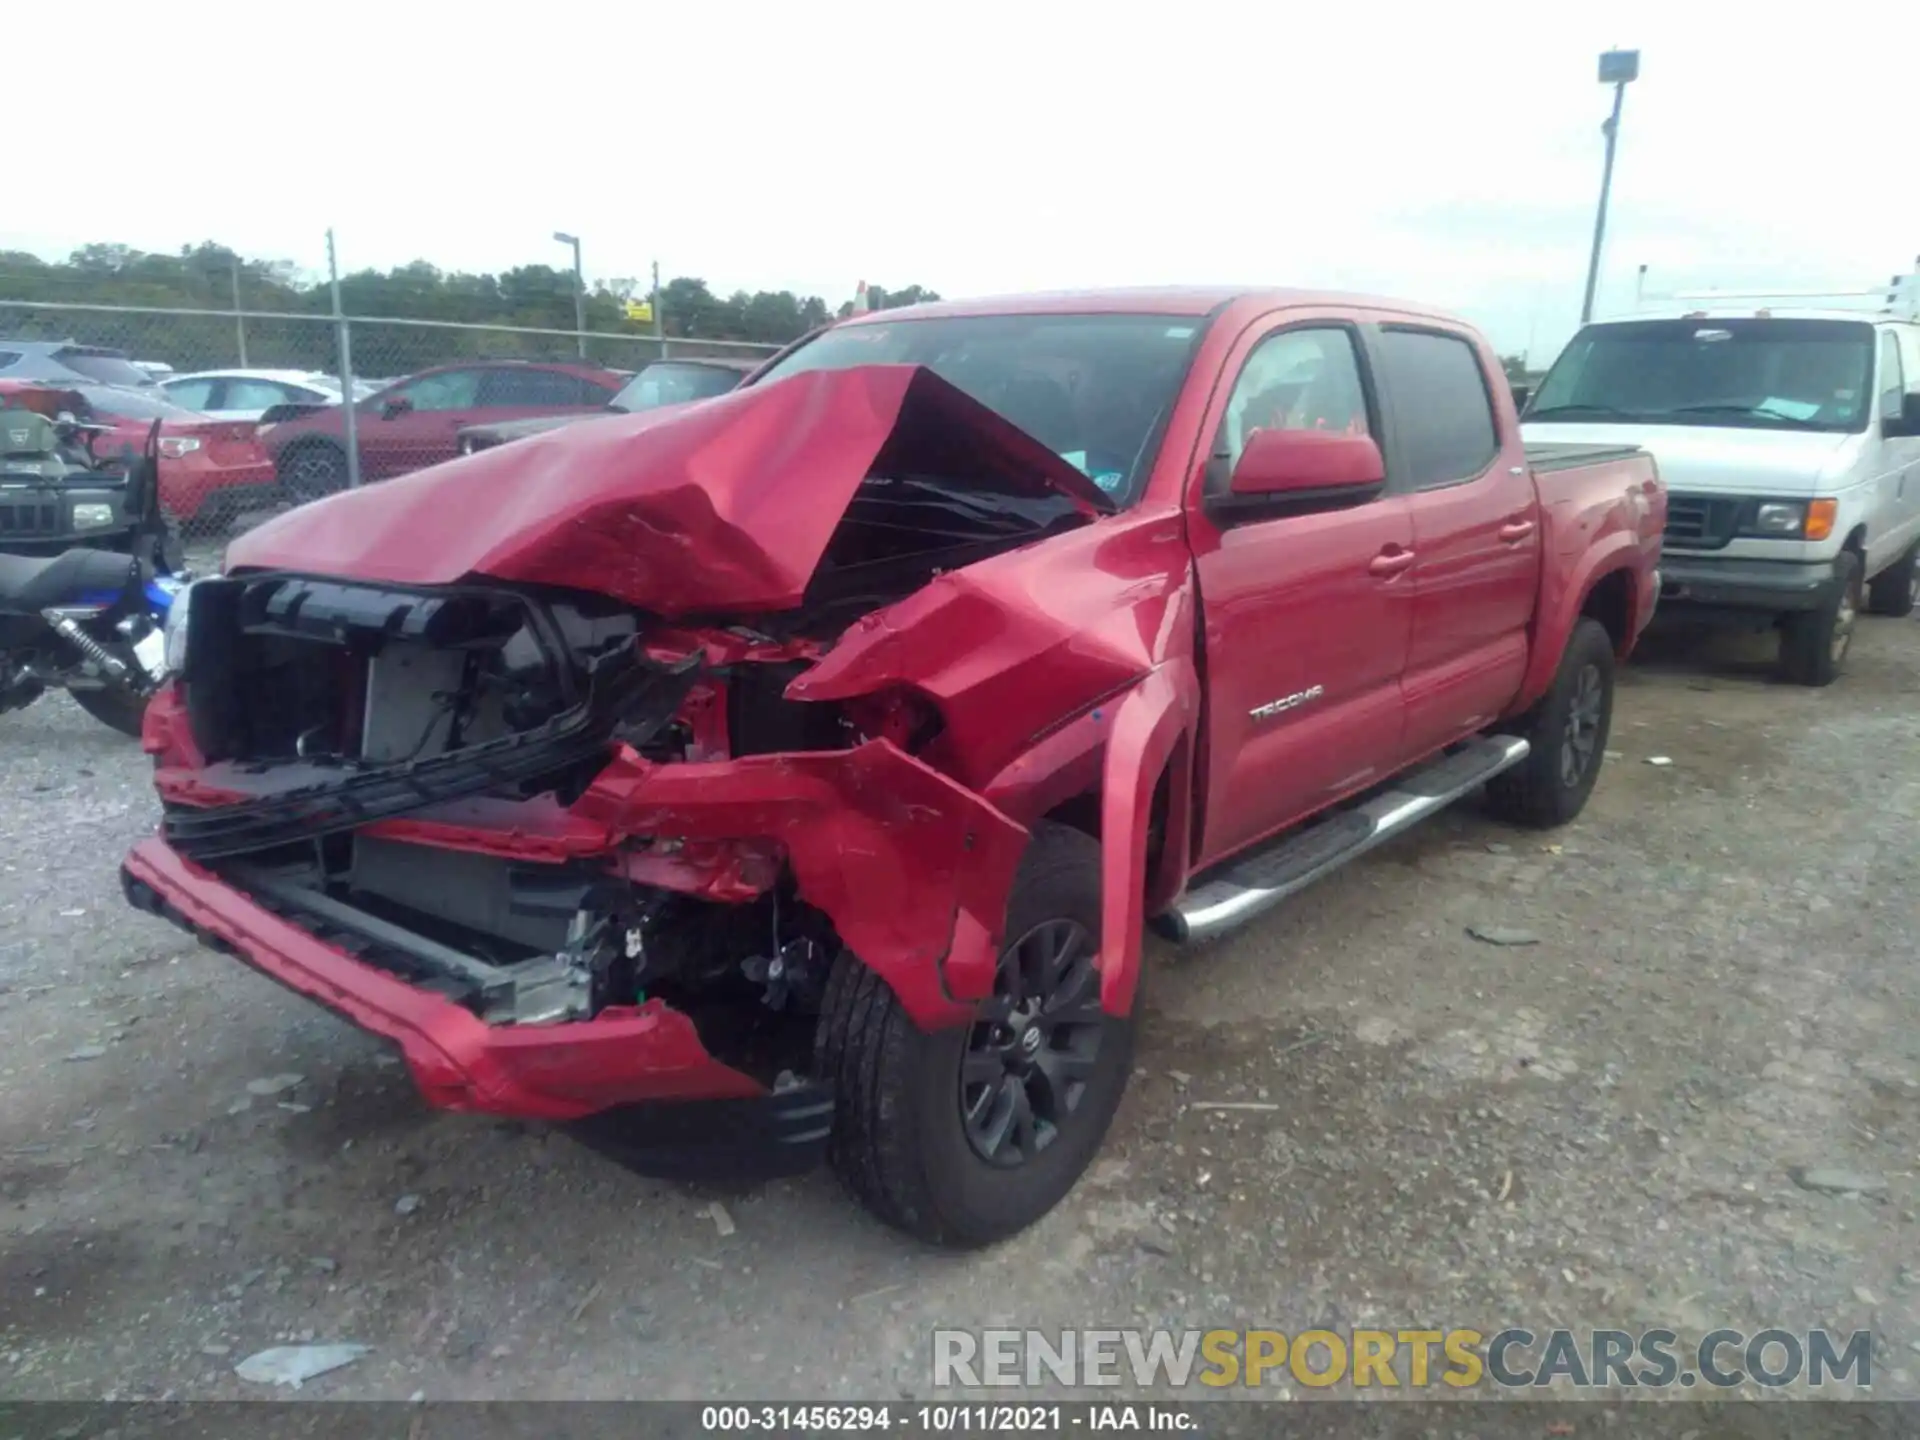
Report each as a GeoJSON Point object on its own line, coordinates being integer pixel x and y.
{"type": "Point", "coordinates": [1547, 456]}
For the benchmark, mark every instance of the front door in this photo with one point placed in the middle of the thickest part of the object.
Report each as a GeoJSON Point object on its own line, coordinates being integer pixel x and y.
{"type": "Point", "coordinates": [1307, 616]}
{"type": "Point", "coordinates": [413, 424]}
{"type": "Point", "coordinates": [1476, 531]}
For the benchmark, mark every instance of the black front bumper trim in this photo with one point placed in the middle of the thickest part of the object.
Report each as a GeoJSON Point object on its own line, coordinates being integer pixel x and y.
{"type": "Point", "coordinates": [761, 1137]}
{"type": "Point", "coordinates": [1772, 586]}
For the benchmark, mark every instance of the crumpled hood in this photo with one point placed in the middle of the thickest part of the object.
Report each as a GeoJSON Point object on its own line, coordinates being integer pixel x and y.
{"type": "Point", "coordinates": [727, 505]}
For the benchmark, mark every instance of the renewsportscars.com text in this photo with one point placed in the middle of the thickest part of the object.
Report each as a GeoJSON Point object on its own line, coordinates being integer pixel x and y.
{"type": "Point", "coordinates": [1458, 1358]}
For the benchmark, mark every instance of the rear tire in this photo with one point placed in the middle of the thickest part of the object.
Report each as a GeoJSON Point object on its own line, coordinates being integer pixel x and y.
{"type": "Point", "coordinates": [1567, 731]}
{"type": "Point", "coordinates": [312, 470]}
{"type": "Point", "coordinates": [916, 1115]}
{"type": "Point", "coordinates": [113, 707]}
{"type": "Point", "coordinates": [1814, 643]}
{"type": "Point", "coordinates": [1895, 589]}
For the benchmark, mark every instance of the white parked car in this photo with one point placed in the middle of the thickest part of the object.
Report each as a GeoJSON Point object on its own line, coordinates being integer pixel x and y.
{"type": "Point", "coordinates": [1790, 444]}
{"type": "Point", "coordinates": [248, 394]}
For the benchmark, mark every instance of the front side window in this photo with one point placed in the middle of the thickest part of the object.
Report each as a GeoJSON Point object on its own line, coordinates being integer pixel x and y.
{"type": "Point", "coordinates": [1747, 372]}
{"type": "Point", "coordinates": [1297, 380]}
{"type": "Point", "coordinates": [448, 390]}
{"type": "Point", "coordinates": [256, 395]}
{"type": "Point", "coordinates": [1094, 389]}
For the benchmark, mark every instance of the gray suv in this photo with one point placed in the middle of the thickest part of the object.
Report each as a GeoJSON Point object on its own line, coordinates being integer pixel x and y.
{"type": "Point", "coordinates": [66, 362]}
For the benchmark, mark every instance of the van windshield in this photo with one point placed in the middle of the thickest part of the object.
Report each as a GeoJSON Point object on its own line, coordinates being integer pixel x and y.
{"type": "Point", "coordinates": [1751, 373]}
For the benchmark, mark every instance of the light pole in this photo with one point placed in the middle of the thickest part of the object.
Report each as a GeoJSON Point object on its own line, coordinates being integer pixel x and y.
{"type": "Point", "coordinates": [1618, 68]}
{"type": "Point", "coordinates": [579, 290]}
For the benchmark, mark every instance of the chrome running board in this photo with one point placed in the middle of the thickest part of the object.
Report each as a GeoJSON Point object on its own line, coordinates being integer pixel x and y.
{"type": "Point", "coordinates": [1252, 883]}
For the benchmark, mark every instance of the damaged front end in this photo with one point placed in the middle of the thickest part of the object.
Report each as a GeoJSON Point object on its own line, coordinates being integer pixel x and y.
{"type": "Point", "coordinates": [571, 853]}
{"type": "Point", "coordinates": [546, 813]}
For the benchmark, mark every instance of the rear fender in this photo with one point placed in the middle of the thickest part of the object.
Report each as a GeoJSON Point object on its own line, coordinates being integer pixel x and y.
{"type": "Point", "coordinates": [1152, 727]}
{"type": "Point", "coordinates": [1563, 595]}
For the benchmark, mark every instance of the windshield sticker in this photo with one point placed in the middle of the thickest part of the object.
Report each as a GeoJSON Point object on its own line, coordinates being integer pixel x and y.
{"type": "Point", "coordinates": [1711, 335]}
{"type": "Point", "coordinates": [1179, 332]}
{"type": "Point", "coordinates": [1109, 481]}
{"type": "Point", "coordinates": [1792, 409]}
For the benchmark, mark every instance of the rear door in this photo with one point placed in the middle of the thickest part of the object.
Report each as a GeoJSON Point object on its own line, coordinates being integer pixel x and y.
{"type": "Point", "coordinates": [1307, 615]}
{"type": "Point", "coordinates": [523, 392]}
{"type": "Point", "coordinates": [1476, 530]}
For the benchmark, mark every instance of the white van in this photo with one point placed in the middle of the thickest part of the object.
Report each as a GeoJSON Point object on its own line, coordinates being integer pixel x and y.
{"type": "Point", "coordinates": [1789, 441]}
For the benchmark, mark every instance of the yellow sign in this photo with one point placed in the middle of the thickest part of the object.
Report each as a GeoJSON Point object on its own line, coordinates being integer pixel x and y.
{"type": "Point", "coordinates": [640, 310]}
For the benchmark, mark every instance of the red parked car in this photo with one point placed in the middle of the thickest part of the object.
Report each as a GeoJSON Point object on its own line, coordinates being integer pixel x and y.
{"type": "Point", "coordinates": [797, 771]}
{"type": "Point", "coordinates": [209, 469]}
{"type": "Point", "coordinates": [415, 422]}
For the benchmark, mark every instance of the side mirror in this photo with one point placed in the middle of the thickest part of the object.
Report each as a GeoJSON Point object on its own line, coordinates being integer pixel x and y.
{"type": "Point", "coordinates": [399, 405]}
{"type": "Point", "coordinates": [1522, 394]}
{"type": "Point", "coordinates": [1300, 470]}
{"type": "Point", "coordinates": [1907, 423]}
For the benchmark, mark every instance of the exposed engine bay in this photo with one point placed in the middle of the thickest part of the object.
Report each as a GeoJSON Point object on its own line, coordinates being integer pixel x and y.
{"type": "Point", "coordinates": [374, 763]}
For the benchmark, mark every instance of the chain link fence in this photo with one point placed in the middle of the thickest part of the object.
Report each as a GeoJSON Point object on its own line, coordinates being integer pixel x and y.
{"type": "Point", "coordinates": [250, 401]}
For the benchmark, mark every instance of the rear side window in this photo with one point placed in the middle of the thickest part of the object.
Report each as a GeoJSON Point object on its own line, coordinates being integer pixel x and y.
{"type": "Point", "coordinates": [1441, 407]}
{"type": "Point", "coordinates": [9, 357]}
{"type": "Point", "coordinates": [194, 394]}
{"type": "Point", "coordinates": [512, 388]}
{"type": "Point", "coordinates": [106, 366]}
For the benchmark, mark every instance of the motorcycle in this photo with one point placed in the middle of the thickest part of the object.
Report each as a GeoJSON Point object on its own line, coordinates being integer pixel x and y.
{"type": "Point", "coordinates": [89, 618]}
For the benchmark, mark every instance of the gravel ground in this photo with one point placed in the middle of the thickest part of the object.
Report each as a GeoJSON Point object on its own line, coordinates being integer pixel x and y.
{"type": "Point", "coordinates": [1595, 1129]}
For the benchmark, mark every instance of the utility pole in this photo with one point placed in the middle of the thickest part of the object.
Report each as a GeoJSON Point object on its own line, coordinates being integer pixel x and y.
{"type": "Point", "coordinates": [579, 291]}
{"type": "Point", "coordinates": [659, 324]}
{"type": "Point", "coordinates": [350, 409]}
{"type": "Point", "coordinates": [1618, 68]}
{"type": "Point", "coordinates": [239, 320]}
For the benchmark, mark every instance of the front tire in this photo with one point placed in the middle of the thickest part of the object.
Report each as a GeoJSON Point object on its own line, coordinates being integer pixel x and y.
{"type": "Point", "coordinates": [968, 1135]}
{"type": "Point", "coordinates": [312, 471]}
{"type": "Point", "coordinates": [1894, 590]}
{"type": "Point", "coordinates": [1814, 643]}
{"type": "Point", "coordinates": [1567, 732]}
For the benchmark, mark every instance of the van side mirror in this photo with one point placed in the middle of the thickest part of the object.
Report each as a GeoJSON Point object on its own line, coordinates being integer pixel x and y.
{"type": "Point", "coordinates": [1907, 422]}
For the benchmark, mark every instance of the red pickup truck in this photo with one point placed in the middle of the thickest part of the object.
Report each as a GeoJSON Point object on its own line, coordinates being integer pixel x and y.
{"type": "Point", "coordinates": [796, 772]}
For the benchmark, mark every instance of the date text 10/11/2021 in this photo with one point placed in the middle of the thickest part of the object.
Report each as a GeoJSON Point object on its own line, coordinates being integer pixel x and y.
{"type": "Point", "coordinates": [985, 1419]}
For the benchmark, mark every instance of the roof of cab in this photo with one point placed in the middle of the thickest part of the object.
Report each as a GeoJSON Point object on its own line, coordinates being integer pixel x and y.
{"type": "Point", "coordinates": [1195, 300]}
{"type": "Point", "coordinates": [1751, 312]}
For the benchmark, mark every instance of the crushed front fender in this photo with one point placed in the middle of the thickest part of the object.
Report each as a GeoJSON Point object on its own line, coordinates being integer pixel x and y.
{"type": "Point", "coordinates": [912, 868]}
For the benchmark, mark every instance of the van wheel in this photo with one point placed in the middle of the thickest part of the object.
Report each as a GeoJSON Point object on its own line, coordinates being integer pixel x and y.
{"type": "Point", "coordinates": [1814, 643]}
{"type": "Point", "coordinates": [1567, 733]}
{"type": "Point", "coordinates": [1895, 589]}
{"type": "Point", "coordinates": [968, 1135]}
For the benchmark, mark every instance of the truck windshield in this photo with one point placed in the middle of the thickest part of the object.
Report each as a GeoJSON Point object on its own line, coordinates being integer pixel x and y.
{"type": "Point", "coordinates": [1753, 373]}
{"type": "Point", "coordinates": [1096, 389]}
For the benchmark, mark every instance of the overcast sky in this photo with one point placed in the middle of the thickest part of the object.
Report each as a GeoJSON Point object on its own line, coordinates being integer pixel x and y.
{"type": "Point", "coordinates": [1450, 153]}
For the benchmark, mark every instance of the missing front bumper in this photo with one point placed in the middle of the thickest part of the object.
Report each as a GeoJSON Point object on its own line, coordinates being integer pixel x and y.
{"type": "Point", "coordinates": [623, 1056]}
